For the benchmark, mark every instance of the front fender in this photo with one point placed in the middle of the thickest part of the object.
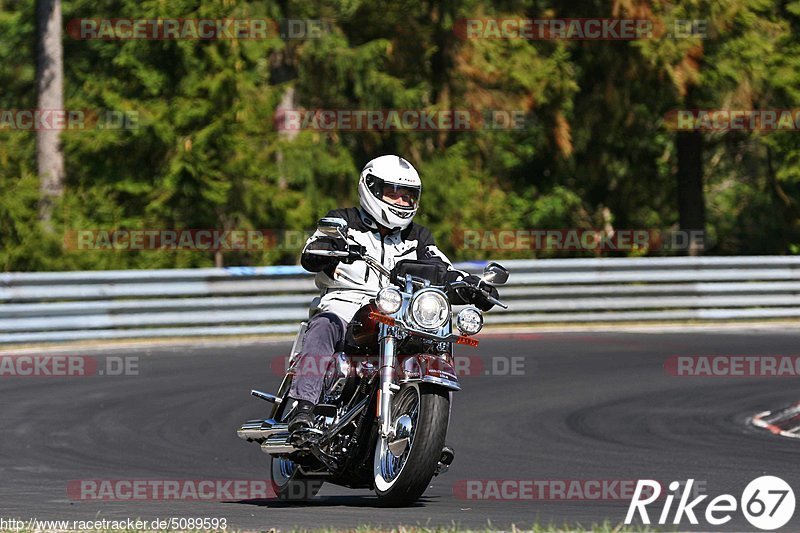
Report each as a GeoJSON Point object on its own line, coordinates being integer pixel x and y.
{"type": "Point", "coordinates": [427, 368]}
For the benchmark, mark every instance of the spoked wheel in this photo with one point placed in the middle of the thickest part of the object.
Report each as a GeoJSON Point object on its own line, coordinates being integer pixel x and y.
{"type": "Point", "coordinates": [404, 466]}
{"type": "Point", "coordinates": [287, 481]}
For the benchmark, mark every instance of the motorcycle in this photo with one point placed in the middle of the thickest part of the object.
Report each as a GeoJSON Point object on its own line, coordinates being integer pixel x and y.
{"type": "Point", "coordinates": [381, 420]}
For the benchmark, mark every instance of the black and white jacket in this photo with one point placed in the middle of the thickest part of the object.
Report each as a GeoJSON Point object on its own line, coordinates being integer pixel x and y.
{"type": "Point", "coordinates": [347, 287]}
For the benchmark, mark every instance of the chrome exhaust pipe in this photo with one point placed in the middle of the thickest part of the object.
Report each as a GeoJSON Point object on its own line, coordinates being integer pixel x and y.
{"type": "Point", "coordinates": [277, 443]}
{"type": "Point", "coordinates": [274, 436]}
{"type": "Point", "coordinates": [261, 430]}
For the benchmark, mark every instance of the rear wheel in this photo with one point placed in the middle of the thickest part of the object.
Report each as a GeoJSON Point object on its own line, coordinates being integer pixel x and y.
{"type": "Point", "coordinates": [403, 467]}
{"type": "Point", "coordinates": [288, 482]}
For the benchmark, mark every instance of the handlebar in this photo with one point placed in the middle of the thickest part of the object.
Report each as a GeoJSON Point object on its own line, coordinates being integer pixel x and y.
{"type": "Point", "coordinates": [375, 265]}
{"type": "Point", "coordinates": [380, 269]}
{"type": "Point", "coordinates": [489, 297]}
{"type": "Point", "coordinates": [328, 253]}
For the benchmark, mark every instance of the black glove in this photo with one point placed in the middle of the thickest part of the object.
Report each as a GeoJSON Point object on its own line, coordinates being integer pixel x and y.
{"type": "Point", "coordinates": [317, 263]}
{"type": "Point", "coordinates": [481, 301]}
{"type": "Point", "coordinates": [326, 243]}
{"type": "Point", "coordinates": [479, 297]}
{"type": "Point", "coordinates": [470, 294]}
{"type": "Point", "coordinates": [356, 252]}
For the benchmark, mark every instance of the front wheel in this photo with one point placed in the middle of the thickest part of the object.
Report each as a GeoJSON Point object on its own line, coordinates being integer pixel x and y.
{"type": "Point", "coordinates": [404, 466]}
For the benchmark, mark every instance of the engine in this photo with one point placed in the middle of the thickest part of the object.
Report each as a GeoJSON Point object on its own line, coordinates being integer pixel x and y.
{"type": "Point", "coordinates": [340, 378]}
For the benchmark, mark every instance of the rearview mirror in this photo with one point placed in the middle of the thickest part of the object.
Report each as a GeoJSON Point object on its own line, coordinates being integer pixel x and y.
{"type": "Point", "coordinates": [333, 227]}
{"type": "Point", "coordinates": [495, 274]}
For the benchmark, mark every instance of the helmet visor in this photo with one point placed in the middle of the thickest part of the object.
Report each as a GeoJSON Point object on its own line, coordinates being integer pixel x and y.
{"type": "Point", "coordinates": [397, 195]}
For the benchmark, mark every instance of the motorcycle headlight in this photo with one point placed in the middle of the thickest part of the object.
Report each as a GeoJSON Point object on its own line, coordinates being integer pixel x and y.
{"type": "Point", "coordinates": [469, 321]}
{"type": "Point", "coordinates": [430, 309]}
{"type": "Point", "coordinates": [389, 300]}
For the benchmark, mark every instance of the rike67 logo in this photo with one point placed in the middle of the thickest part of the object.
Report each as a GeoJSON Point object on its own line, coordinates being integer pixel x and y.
{"type": "Point", "coordinates": [767, 503]}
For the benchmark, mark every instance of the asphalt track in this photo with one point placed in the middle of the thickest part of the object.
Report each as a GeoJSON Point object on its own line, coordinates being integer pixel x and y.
{"type": "Point", "coordinates": [588, 406]}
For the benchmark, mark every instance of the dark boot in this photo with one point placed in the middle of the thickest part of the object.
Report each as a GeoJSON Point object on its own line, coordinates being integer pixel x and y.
{"type": "Point", "coordinates": [303, 417]}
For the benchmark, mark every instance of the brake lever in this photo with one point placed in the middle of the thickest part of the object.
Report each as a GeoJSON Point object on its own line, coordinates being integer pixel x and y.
{"type": "Point", "coordinates": [489, 298]}
{"type": "Point", "coordinates": [495, 301]}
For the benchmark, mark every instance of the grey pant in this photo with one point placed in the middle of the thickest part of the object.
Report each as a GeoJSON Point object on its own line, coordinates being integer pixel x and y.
{"type": "Point", "coordinates": [325, 331]}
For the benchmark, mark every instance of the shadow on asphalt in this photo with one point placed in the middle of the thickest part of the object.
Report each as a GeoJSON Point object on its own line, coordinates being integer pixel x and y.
{"type": "Point", "coordinates": [328, 501]}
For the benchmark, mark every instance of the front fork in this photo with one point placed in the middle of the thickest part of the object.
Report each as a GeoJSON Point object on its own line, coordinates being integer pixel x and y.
{"type": "Point", "coordinates": [388, 344]}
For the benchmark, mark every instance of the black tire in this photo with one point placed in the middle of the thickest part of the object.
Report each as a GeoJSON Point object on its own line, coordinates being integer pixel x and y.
{"type": "Point", "coordinates": [287, 481]}
{"type": "Point", "coordinates": [423, 457]}
{"type": "Point", "coordinates": [295, 488]}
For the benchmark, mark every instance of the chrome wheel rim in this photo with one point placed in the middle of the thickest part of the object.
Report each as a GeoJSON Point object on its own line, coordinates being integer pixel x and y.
{"type": "Point", "coordinates": [286, 467]}
{"type": "Point", "coordinates": [405, 404]}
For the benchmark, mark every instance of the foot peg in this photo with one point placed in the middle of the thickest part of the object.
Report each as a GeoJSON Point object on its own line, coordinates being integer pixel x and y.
{"type": "Point", "coordinates": [265, 396]}
{"type": "Point", "coordinates": [445, 460]}
{"type": "Point", "coordinates": [302, 439]}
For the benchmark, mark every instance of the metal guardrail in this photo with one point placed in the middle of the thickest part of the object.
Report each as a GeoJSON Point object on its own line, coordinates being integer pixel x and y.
{"type": "Point", "coordinates": [60, 306]}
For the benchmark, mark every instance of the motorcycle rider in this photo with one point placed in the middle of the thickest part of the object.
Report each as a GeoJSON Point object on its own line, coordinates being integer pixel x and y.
{"type": "Point", "coordinates": [389, 190]}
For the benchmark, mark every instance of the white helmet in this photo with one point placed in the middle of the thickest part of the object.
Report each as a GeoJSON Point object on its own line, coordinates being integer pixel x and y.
{"type": "Point", "coordinates": [392, 176]}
